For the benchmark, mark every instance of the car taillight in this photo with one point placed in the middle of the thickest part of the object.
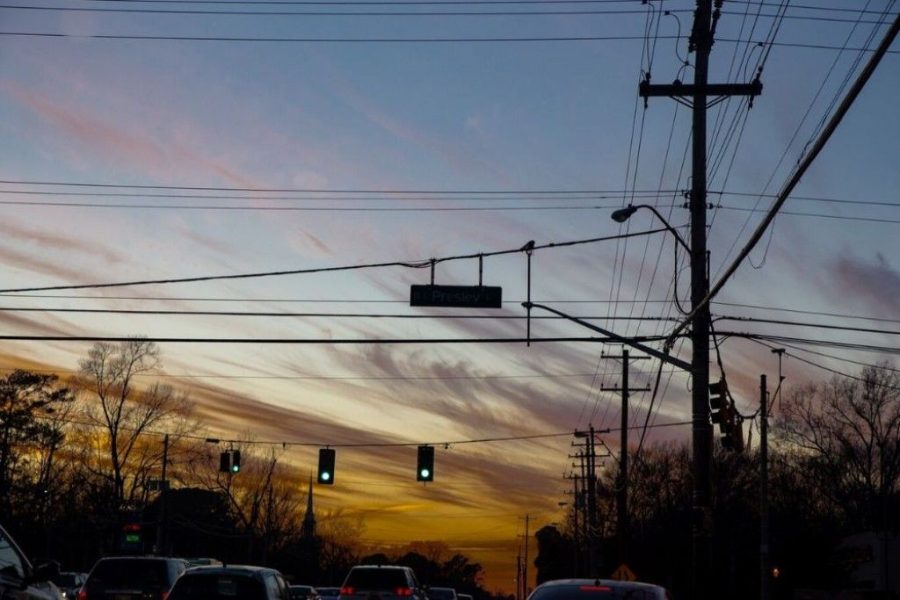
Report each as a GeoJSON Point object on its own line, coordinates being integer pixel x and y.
{"type": "Point", "coordinates": [163, 595]}
{"type": "Point", "coordinates": [403, 591]}
{"type": "Point", "coordinates": [82, 594]}
{"type": "Point", "coordinates": [346, 591]}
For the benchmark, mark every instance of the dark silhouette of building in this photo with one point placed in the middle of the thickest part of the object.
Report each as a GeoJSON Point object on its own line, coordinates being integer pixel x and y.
{"type": "Point", "coordinates": [308, 528]}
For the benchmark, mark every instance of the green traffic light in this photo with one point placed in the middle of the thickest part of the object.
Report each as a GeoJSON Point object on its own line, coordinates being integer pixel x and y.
{"type": "Point", "coordinates": [425, 473]}
{"type": "Point", "coordinates": [235, 468]}
{"type": "Point", "coordinates": [325, 476]}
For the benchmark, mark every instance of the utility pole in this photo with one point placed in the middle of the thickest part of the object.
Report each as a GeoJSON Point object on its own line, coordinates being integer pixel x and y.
{"type": "Point", "coordinates": [622, 479]}
{"type": "Point", "coordinates": [701, 41]}
{"type": "Point", "coordinates": [763, 489]}
{"type": "Point", "coordinates": [593, 562]}
{"type": "Point", "coordinates": [519, 575]}
{"type": "Point", "coordinates": [162, 525]}
{"type": "Point", "coordinates": [525, 564]}
{"type": "Point", "coordinates": [577, 506]}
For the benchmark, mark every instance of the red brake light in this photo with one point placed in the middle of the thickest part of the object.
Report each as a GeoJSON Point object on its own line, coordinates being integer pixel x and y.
{"type": "Point", "coordinates": [82, 594]}
{"type": "Point", "coordinates": [595, 588]}
{"type": "Point", "coordinates": [346, 591]}
{"type": "Point", "coordinates": [403, 591]}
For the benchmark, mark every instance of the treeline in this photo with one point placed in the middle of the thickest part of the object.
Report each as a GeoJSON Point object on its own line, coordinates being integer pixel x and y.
{"type": "Point", "coordinates": [81, 461]}
{"type": "Point", "coordinates": [834, 472]}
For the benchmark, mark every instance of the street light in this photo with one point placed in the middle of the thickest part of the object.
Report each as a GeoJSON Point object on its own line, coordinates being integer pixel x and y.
{"type": "Point", "coordinates": [623, 214]}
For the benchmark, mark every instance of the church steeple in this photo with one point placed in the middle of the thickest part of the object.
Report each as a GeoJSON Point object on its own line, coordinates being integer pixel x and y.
{"type": "Point", "coordinates": [308, 529]}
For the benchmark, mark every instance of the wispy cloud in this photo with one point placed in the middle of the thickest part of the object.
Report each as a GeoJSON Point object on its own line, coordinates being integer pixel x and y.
{"type": "Point", "coordinates": [126, 145]}
{"type": "Point", "coordinates": [874, 282]}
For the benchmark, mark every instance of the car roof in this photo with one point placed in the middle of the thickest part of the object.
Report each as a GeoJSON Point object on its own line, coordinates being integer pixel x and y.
{"type": "Point", "coordinates": [444, 588]}
{"type": "Point", "coordinates": [231, 569]}
{"type": "Point", "coordinates": [610, 582]}
{"type": "Point", "coordinates": [380, 567]}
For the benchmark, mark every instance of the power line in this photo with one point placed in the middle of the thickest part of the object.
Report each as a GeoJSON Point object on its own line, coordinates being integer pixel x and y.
{"type": "Point", "coordinates": [406, 264]}
{"type": "Point", "coordinates": [331, 377]}
{"type": "Point", "coordinates": [282, 13]}
{"type": "Point", "coordinates": [317, 341]}
{"type": "Point", "coordinates": [307, 190]}
{"type": "Point", "coordinates": [406, 302]}
{"type": "Point", "coordinates": [806, 324]}
{"type": "Point", "coordinates": [799, 171]}
{"type": "Point", "coordinates": [387, 194]}
{"type": "Point", "coordinates": [812, 342]}
{"type": "Point", "coordinates": [330, 315]}
{"type": "Point", "coordinates": [398, 40]}
{"type": "Point", "coordinates": [394, 13]}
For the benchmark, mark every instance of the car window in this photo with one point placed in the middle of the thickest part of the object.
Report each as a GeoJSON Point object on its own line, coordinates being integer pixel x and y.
{"type": "Point", "coordinates": [10, 562]}
{"type": "Point", "coordinates": [592, 592]}
{"type": "Point", "coordinates": [272, 586]}
{"type": "Point", "coordinates": [283, 586]}
{"type": "Point", "coordinates": [381, 579]}
{"type": "Point", "coordinates": [218, 586]}
{"type": "Point", "coordinates": [131, 572]}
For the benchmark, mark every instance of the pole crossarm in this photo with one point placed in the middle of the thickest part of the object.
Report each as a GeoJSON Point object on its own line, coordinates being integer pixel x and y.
{"type": "Point", "coordinates": [684, 91]}
{"type": "Point", "coordinates": [663, 356]}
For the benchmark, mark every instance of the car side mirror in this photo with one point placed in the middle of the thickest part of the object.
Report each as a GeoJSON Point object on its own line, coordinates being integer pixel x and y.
{"type": "Point", "coordinates": [44, 572]}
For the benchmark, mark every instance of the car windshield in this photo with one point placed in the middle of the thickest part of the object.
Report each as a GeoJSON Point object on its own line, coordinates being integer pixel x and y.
{"type": "Point", "coordinates": [441, 594]}
{"type": "Point", "coordinates": [217, 586]}
{"type": "Point", "coordinates": [134, 572]}
{"type": "Point", "coordinates": [602, 591]}
{"type": "Point", "coordinates": [376, 579]}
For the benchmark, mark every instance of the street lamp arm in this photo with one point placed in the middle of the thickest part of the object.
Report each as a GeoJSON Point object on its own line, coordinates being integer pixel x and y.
{"type": "Point", "coordinates": [623, 214]}
{"type": "Point", "coordinates": [663, 356]}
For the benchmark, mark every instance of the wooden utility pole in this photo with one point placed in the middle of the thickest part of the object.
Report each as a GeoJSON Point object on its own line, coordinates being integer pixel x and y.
{"type": "Point", "coordinates": [696, 95]}
{"type": "Point", "coordinates": [763, 489]}
{"type": "Point", "coordinates": [622, 479]}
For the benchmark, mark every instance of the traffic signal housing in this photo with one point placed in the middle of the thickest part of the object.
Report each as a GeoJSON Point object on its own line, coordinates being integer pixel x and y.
{"type": "Point", "coordinates": [718, 399]}
{"type": "Point", "coordinates": [326, 466]}
{"type": "Point", "coordinates": [236, 461]}
{"type": "Point", "coordinates": [425, 464]}
{"type": "Point", "coordinates": [225, 462]}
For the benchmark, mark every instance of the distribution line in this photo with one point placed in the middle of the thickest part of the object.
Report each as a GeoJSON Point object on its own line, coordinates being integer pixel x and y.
{"type": "Point", "coordinates": [420, 264]}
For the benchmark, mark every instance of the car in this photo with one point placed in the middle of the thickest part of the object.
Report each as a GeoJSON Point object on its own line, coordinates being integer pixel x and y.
{"type": "Point", "coordinates": [464, 597]}
{"type": "Point", "coordinates": [598, 589]}
{"type": "Point", "coordinates": [303, 592]}
{"type": "Point", "coordinates": [441, 593]}
{"type": "Point", "coordinates": [381, 582]}
{"type": "Point", "coordinates": [132, 577]}
{"type": "Point", "coordinates": [19, 579]}
{"type": "Point", "coordinates": [69, 582]}
{"type": "Point", "coordinates": [328, 593]}
{"type": "Point", "coordinates": [231, 582]}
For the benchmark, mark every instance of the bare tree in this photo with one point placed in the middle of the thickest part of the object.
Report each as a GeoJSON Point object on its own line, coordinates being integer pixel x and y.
{"type": "Point", "coordinates": [263, 498]}
{"type": "Point", "coordinates": [847, 432]}
{"type": "Point", "coordinates": [129, 413]}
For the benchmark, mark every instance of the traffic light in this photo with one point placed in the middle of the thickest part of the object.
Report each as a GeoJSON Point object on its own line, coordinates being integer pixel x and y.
{"type": "Point", "coordinates": [425, 464]}
{"type": "Point", "coordinates": [718, 393]}
{"type": "Point", "coordinates": [733, 433]}
{"type": "Point", "coordinates": [132, 534]}
{"type": "Point", "coordinates": [225, 462]}
{"type": "Point", "coordinates": [236, 461]}
{"type": "Point", "coordinates": [326, 466]}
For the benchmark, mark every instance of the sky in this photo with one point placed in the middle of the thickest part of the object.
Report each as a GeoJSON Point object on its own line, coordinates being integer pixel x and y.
{"type": "Point", "coordinates": [167, 140]}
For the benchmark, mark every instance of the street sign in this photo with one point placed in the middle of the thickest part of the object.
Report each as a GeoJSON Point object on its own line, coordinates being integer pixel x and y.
{"type": "Point", "coordinates": [623, 573]}
{"type": "Point", "coordinates": [461, 296]}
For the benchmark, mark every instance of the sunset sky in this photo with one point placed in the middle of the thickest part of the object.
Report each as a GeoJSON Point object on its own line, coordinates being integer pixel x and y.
{"type": "Point", "coordinates": [155, 140]}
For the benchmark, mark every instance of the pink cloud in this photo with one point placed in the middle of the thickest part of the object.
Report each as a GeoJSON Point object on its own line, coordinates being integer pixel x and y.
{"type": "Point", "coordinates": [100, 135]}
{"type": "Point", "coordinates": [876, 283]}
